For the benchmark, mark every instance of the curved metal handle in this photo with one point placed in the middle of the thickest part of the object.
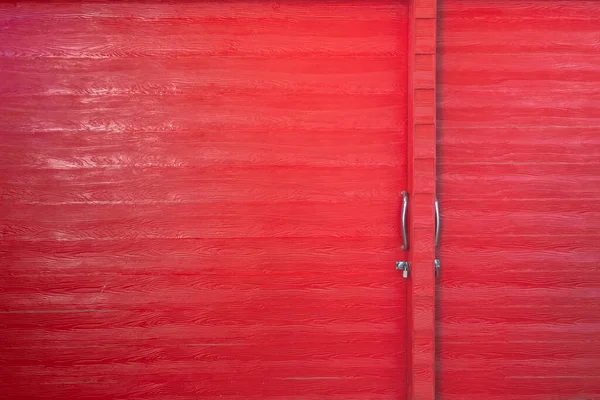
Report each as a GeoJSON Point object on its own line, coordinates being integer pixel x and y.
{"type": "Point", "coordinates": [437, 221]}
{"type": "Point", "coordinates": [404, 208]}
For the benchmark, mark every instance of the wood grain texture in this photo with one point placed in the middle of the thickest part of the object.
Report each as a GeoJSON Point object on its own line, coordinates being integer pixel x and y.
{"type": "Point", "coordinates": [202, 200]}
{"type": "Point", "coordinates": [422, 172]}
{"type": "Point", "coordinates": [519, 185]}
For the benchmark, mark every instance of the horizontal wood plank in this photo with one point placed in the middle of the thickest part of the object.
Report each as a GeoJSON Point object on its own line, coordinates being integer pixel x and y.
{"type": "Point", "coordinates": [197, 220]}
{"type": "Point", "coordinates": [179, 76]}
{"type": "Point", "coordinates": [202, 256]}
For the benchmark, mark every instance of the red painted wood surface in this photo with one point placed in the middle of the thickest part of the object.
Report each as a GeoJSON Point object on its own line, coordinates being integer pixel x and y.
{"type": "Point", "coordinates": [519, 186]}
{"type": "Point", "coordinates": [202, 200]}
{"type": "Point", "coordinates": [422, 172]}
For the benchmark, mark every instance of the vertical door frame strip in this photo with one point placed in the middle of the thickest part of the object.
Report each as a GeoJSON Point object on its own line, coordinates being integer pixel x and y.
{"type": "Point", "coordinates": [421, 186]}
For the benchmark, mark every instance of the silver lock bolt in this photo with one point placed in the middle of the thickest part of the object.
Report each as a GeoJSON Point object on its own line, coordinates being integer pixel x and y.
{"type": "Point", "coordinates": [403, 266]}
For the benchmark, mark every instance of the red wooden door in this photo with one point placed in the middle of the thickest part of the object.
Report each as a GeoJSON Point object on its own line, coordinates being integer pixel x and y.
{"type": "Point", "coordinates": [202, 199]}
{"type": "Point", "coordinates": [519, 183]}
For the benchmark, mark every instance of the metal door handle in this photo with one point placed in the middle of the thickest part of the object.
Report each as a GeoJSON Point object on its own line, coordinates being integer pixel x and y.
{"type": "Point", "coordinates": [437, 222]}
{"type": "Point", "coordinates": [436, 262]}
{"type": "Point", "coordinates": [404, 209]}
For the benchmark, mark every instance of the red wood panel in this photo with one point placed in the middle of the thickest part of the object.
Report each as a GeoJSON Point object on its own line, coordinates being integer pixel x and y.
{"type": "Point", "coordinates": [519, 186]}
{"type": "Point", "coordinates": [421, 156]}
{"type": "Point", "coordinates": [202, 200]}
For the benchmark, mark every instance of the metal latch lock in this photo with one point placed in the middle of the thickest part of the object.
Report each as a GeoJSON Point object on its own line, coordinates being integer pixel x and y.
{"type": "Point", "coordinates": [403, 266]}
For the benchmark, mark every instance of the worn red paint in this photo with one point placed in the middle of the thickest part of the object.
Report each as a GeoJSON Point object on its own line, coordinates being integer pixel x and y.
{"type": "Point", "coordinates": [197, 199]}
{"type": "Point", "coordinates": [518, 165]}
{"type": "Point", "coordinates": [201, 199]}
